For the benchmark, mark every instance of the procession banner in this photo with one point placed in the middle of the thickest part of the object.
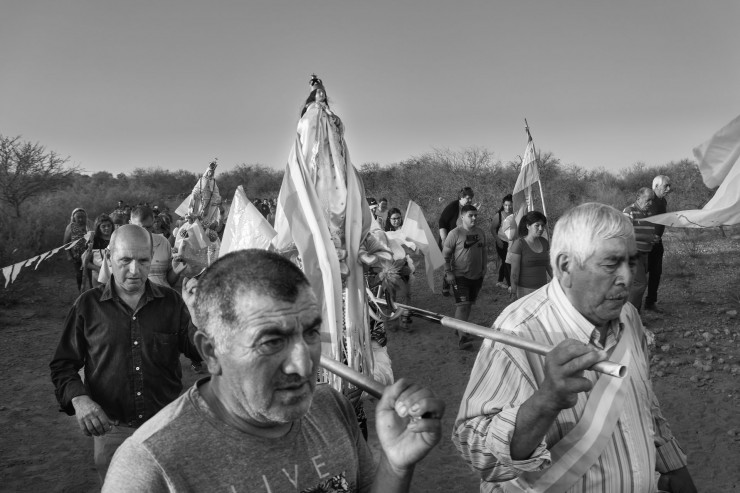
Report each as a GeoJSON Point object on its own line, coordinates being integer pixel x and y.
{"type": "Point", "coordinates": [719, 164]}
{"type": "Point", "coordinates": [528, 176]}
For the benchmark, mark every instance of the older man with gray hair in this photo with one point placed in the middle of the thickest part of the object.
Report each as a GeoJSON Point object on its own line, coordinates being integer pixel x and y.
{"type": "Point", "coordinates": [548, 423]}
{"type": "Point", "coordinates": [259, 421]}
{"type": "Point", "coordinates": [661, 187]}
{"type": "Point", "coordinates": [644, 237]}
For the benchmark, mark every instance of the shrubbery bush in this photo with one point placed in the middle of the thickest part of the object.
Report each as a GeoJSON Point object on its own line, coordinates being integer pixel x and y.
{"type": "Point", "coordinates": [431, 180]}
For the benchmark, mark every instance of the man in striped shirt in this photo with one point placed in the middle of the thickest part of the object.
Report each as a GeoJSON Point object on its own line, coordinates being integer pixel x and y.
{"type": "Point", "coordinates": [644, 235]}
{"type": "Point", "coordinates": [534, 423]}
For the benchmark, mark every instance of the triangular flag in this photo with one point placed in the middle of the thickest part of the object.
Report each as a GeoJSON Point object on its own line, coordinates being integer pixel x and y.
{"type": "Point", "coordinates": [719, 165]}
{"type": "Point", "coordinates": [246, 227]}
{"type": "Point", "coordinates": [31, 260]}
{"type": "Point", "coordinates": [7, 271]}
{"type": "Point", "coordinates": [16, 270]}
{"type": "Point", "coordinates": [42, 257]}
{"type": "Point", "coordinates": [416, 229]}
{"type": "Point", "coordinates": [183, 208]}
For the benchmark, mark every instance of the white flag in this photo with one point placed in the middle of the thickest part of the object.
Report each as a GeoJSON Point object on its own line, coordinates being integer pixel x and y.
{"type": "Point", "coordinates": [246, 227]}
{"type": "Point", "coordinates": [719, 165]}
{"type": "Point", "coordinates": [416, 229]}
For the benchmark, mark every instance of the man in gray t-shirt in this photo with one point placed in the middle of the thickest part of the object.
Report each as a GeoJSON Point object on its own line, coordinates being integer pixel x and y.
{"type": "Point", "coordinates": [260, 422]}
{"type": "Point", "coordinates": [466, 258]}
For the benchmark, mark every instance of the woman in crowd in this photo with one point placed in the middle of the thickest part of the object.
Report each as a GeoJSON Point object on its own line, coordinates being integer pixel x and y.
{"type": "Point", "coordinates": [97, 245]}
{"type": "Point", "coordinates": [503, 228]}
{"type": "Point", "coordinates": [403, 290]}
{"type": "Point", "coordinates": [529, 256]}
{"type": "Point", "coordinates": [77, 229]}
{"type": "Point", "coordinates": [395, 220]}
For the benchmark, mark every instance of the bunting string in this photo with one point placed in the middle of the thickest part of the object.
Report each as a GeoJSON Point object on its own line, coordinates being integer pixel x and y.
{"type": "Point", "coordinates": [10, 273]}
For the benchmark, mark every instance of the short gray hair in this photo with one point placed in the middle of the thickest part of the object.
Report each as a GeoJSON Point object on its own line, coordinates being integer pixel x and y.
{"type": "Point", "coordinates": [238, 274]}
{"type": "Point", "coordinates": [577, 229]}
{"type": "Point", "coordinates": [644, 191]}
{"type": "Point", "coordinates": [660, 180]}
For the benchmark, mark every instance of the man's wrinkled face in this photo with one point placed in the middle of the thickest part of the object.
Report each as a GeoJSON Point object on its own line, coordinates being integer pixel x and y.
{"type": "Point", "coordinates": [130, 261]}
{"type": "Point", "coordinates": [646, 200]}
{"type": "Point", "coordinates": [600, 288]}
{"type": "Point", "coordinates": [270, 368]}
{"type": "Point", "coordinates": [663, 189]}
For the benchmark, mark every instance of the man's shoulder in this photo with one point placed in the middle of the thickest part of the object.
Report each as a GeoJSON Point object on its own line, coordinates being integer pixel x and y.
{"type": "Point", "coordinates": [177, 422]}
{"type": "Point", "coordinates": [519, 315]}
{"type": "Point", "coordinates": [91, 297]}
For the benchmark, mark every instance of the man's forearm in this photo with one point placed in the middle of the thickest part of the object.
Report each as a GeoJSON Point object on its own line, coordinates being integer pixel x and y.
{"type": "Point", "coordinates": [533, 420]}
{"type": "Point", "coordinates": [390, 480]}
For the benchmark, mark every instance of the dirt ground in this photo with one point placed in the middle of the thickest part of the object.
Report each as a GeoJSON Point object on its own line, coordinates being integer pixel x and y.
{"type": "Point", "coordinates": [696, 372]}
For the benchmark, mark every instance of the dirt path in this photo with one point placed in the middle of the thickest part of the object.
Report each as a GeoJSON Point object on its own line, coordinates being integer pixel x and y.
{"type": "Point", "coordinates": [696, 373]}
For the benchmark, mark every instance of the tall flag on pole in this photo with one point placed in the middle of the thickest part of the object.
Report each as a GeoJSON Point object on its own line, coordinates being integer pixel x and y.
{"type": "Point", "coordinates": [528, 176]}
{"type": "Point", "coordinates": [719, 163]}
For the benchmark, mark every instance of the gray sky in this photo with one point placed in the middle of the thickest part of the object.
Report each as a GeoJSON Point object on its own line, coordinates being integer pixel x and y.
{"type": "Point", "coordinates": [175, 83]}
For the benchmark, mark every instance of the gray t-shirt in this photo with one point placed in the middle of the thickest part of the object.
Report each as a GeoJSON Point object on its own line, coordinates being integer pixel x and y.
{"type": "Point", "coordinates": [186, 448]}
{"type": "Point", "coordinates": [468, 249]}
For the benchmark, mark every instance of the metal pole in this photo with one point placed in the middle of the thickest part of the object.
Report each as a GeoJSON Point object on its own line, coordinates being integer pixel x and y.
{"type": "Point", "coordinates": [605, 367]}
{"type": "Point", "coordinates": [372, 387]}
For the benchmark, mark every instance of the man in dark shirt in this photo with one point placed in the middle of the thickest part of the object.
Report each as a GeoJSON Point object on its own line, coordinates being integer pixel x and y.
{"type": "Point", "coordinates": [661, 187]}
{"type": "Point", "coordinates": [451, 219]}
{"type": "Point", "coordinates": [128, 335]}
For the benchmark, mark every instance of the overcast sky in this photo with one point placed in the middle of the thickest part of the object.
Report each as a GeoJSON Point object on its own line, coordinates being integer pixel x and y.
{"type": "Point", "coordinates": [117, 85]}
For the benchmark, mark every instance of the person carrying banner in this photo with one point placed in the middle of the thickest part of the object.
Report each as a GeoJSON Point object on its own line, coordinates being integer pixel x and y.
{"type": "Point", "coordinates": [547, 424]}
{"type": "Point", "coordinates": [259, 421]}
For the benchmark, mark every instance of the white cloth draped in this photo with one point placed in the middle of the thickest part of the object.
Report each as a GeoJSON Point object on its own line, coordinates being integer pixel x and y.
{"type": "Point", "coordinates": [322, 207]}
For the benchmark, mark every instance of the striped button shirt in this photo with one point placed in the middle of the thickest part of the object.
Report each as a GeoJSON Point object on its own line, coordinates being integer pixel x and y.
{"type": "Point", "coordinates": [504, 377]}
{"type": "Point", "coordinates": [644, 230]}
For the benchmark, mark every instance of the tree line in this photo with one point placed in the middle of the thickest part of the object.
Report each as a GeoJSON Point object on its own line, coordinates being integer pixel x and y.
{"type": "Point", "coordinates": [39, 190]}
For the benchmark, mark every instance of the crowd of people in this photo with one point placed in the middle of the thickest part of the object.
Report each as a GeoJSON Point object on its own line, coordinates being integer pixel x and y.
{"type": "Point", "coordinates": [252, 320]}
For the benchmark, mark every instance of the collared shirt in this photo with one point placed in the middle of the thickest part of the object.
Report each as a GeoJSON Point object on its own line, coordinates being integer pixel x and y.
{"type": "Point", "coordinates": [131, 357]}
{"type": "Point", "coordinates": [644, 230]}
{"type": "Point", "coordinates": [504, 377]}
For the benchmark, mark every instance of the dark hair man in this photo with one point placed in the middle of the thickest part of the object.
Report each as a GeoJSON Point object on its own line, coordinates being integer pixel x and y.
{"type": "Point", "coordinates": [465, 257]}
{"type": "Point", "coordinates": [259, 421]}
{"type": "Point", "coordinates": [544, 423]}
{"type": "Point", "coordinates": [450, 219]}
{"type": "Point", "coordinates": [128, 335]}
